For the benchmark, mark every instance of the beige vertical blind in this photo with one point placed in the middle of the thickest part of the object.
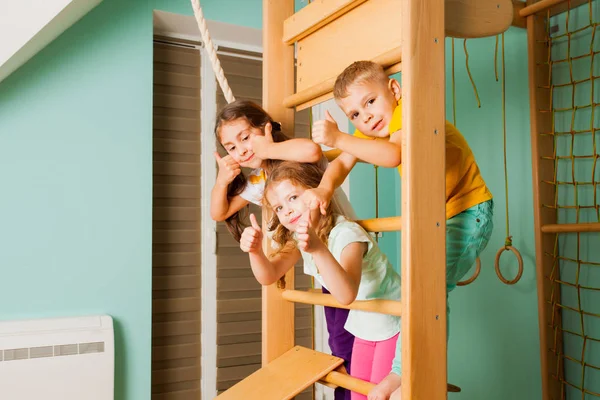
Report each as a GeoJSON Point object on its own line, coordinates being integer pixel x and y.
{"type": "Point", "coordinates": [176, 224]}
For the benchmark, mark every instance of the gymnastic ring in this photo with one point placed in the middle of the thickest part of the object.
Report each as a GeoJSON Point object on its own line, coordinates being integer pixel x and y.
{"type": "Point", "coordinates": [497, 265]}
{"type": "Point", "coordinates": [475, 274]}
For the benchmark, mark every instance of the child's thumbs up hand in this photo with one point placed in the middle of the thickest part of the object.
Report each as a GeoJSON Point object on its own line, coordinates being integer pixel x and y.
{"type": "Point", "coordinates": [251, 239]}
{"type": "Point", "coordinates": [228, 169]}
{"type": "Point", "coordinates": [262, 143]}
{"type": "Point", "coordinates": [326, 131]}
{"type": "Point", "coordinates": [308, 241]}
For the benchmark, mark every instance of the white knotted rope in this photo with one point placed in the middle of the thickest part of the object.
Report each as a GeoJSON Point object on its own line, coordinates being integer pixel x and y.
{"type": "Point", "coordinates": [212, 53]}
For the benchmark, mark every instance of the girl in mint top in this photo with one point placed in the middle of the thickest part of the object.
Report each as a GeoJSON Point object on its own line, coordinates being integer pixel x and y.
{"type": "Point", "coordinates": [339, 253]}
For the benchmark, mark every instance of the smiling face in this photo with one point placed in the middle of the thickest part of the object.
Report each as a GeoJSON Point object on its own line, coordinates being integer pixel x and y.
{"type": "Point", "coordinates": [284, 199]}
{"type": "Point", "coordinates": [370, 105]}
{"type": "Point", "coordinates": [235, 137]}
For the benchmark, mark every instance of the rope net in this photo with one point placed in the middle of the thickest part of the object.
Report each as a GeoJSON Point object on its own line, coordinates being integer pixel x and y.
{"type": "Point", "coordinates": [574, 83]}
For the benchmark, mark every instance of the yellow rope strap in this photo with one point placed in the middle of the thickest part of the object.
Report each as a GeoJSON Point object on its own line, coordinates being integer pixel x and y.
{"type": "Point", "coordinates": [470, 76]}
{"type": "Point", "coordinates": [508, 241]}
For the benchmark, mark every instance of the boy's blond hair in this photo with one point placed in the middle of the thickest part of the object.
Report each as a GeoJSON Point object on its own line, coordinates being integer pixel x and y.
{"type": "Point", "coordinates": [358, 71]}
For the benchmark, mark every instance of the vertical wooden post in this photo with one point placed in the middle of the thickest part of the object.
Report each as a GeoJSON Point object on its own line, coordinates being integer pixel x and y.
{"type": "Point", "coordinates": [424, 356]}
{"type": "Point", "coordinates": [540, 98]}
{"type": "Point", "coordinates": [278, 82]}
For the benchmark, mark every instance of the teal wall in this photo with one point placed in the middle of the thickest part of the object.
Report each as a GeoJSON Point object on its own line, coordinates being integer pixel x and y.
{"type": "Point", "coordinates": [76, 173]}
{"type": "Point", "coordinates": [494, 339]}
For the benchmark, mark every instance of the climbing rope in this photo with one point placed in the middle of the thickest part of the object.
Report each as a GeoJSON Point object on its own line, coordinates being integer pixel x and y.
{"type": "Point", "coordinates": [453, 88]}
{"type": "Point", "coordinates": [470, 76]}
{"type": "Point", "coordinates": [212, 53]}
{"type": "Point", "coordinates": [508, 241]}
{"type": "Point", "coordinates": [477, 261]}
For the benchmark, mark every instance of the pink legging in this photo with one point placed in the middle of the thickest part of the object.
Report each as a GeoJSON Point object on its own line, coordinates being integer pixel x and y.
{"type": "Point", "coordinates": [372, 361]}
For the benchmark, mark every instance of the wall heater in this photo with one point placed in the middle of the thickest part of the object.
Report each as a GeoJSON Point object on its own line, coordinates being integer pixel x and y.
{"type": "Point", "coordinates": [57, 359]}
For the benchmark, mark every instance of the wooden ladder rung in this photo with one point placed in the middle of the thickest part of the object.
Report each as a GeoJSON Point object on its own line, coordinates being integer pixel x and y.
{"type": "Point", "coordinates": [342, 379]}
{"type": "Point", "coordinates": [389, 307]}
{"type": "Point", "coordinates": [386, 224]}
{"type": "Point", "coordinates": [571, 228]}
{"type": "Point", "coordinates": [285, 377]}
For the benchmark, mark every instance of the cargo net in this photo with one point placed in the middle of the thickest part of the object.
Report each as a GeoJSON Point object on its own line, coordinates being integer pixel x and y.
{"type": "Point", "coordinates": [575, 275]}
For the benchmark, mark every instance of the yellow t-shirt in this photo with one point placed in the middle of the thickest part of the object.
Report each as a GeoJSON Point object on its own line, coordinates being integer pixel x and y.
{"type": "Point", "coordinates": [465, 186]}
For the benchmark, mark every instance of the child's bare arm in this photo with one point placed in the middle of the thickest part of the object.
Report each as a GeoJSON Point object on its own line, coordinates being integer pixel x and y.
{"type": "Point", "coordinates": [266, 271]}
{"type": "Point", "coordinates": [377, 152]}
{"type": "Point", "coordinates": [221, 207]}
{"type": "Point", "coordinates": [385, 153]}
{"type": "Point", "coordinates": [343, 277]}
{"type": "Point", "coordinates": [301, 150]}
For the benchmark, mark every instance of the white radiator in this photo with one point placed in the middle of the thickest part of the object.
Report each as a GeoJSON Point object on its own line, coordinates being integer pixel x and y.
{"type": "Point", "coordinates": [57, 359]}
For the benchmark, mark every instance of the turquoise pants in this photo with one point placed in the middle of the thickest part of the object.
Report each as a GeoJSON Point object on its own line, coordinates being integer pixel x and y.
{"type": "Point", "coordinates": [467, 235]}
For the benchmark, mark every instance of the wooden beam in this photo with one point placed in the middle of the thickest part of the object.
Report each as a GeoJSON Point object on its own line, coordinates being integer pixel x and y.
{"type": "Point", "coordinates": [278, 83]}
{"type": "Point", "coordinates": [343, 39]}
{"type": "Point", "coordinates": [337, 378]}
{"type": "Point", "coordinates": [424, 352]}
{"type": "Point", "coordinates": [285, 377]}
{"type": "Point", "coordinates": [464, 18]}
{"type": "Point", "coordinates": [518, 21]}
{"type": "Point", "coordinates": [389, 60]}
{"type": "Point", "coordinates": [390, 307]}
{"type": "Point", "coordinates": [387, 224]}
{"type": "Point", "coordinates": [392, 69]}
{"type": "Point", "coordinates": [542, 149]}
{"type": "Point", "coordinates": [571, 228]}
{"type": "Point", "coordinates": [313, 16]}
{"type": "Point", "coordinates": [556, 7]}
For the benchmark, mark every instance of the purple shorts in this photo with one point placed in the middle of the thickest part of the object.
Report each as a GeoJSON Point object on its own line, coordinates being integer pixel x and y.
{"type": "Point", "coordinates": [340, 341]}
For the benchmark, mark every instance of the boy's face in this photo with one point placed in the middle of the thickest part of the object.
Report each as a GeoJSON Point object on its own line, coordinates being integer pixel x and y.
{"type": "Point", "coordinates": [370, 106]}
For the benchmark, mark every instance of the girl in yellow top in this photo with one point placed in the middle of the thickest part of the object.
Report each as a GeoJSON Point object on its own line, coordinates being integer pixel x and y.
{"type": "Point", "coordinates": [372, 101]}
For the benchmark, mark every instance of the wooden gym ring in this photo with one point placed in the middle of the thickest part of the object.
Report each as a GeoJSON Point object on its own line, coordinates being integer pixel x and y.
{"type": "Point", "coordinates": [475, 274]}
{"type": "Point", "coordinates": [497, 265]}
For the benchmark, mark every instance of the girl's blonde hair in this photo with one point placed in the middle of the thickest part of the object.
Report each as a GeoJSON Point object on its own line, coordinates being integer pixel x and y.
{"type": "Point", "coordinates": [302, 174]}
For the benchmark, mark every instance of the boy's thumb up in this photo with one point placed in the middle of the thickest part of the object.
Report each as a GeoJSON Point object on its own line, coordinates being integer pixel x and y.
{"type": "Point", "coordinates": [254, 222]}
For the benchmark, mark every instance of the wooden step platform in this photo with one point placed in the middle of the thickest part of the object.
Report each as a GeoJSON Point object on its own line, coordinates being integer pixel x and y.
{"type": "Point", "coordinates": [293, 372]}
{"type": "Point", "coordinates": [285, 377]}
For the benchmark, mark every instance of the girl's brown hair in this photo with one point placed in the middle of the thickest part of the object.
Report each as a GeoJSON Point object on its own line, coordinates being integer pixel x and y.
{"type": "Point", "coordinates": [257, 118]}
{"type": "Point", "coordinates": [302, 174]}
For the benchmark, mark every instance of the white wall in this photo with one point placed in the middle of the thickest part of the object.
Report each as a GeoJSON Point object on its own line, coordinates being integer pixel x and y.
{"type": "Point", "coordinates": [27, 26]}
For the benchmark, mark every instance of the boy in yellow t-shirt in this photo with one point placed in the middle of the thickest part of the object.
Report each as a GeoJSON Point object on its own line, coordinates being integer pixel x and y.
{"type": "Point", "coordinates": [372, 102]}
